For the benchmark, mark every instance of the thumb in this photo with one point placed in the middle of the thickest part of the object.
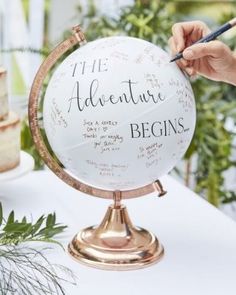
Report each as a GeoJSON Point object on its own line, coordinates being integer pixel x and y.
{"type": "Point", "coordinates": [214, 48]}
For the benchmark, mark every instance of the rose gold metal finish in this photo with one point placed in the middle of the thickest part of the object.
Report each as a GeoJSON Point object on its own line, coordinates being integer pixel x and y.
{"type": "Point", "coordinates": [117, 199]}
{"type": "Point", "coordinates": [158, 187]}
{"type": "Point", "coordinates": [76, 38]}
{"type": "Point", "coordinates": [79, 34]}
{"type": "Point", "coordinates": [116, 244]}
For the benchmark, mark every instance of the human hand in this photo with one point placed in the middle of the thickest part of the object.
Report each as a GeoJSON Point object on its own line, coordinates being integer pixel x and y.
{"type": "Point", "coordinates": [213, 60]}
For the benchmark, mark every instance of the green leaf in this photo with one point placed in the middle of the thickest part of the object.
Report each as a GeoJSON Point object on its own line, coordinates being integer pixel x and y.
{"type": "Point", "coordinates": [37, 225]}
{"type": "Point", "coordinates": [51, 220]}
{"type": "Point", "coordinates": [50, 232]}
{"type": "Point", "coordinates": [24, 220]}
{"type": "Point", "coordinates": [16, 228]}
{"type": "Point", "coordinates": [11, 217]}
{"type": "Point", "coordinates": [15, 232]}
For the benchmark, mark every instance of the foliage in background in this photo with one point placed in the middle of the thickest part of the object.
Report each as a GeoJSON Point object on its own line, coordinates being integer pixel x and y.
{"type": "Point", "coordinates": [149, 20]}
{"type": "Point", "coordinates": [212, 143]}
{"type": "Point", "coordinates": [27, 144]}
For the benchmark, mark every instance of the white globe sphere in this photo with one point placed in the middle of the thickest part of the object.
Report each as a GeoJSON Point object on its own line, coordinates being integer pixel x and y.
{"type": "Point", "coordinates": [117, 114]}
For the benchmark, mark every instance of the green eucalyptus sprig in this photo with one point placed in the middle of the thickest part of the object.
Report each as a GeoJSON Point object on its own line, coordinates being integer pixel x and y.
{"type": "Point", "coordinates": [13, 231]}
{"type": "Point", "coordinates": [27, 271]}
{"type": "Point", "coordinates": [24, 270]}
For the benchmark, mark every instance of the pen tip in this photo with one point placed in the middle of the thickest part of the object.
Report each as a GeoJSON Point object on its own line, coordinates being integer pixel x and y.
{"type": "Point", "coordinates": [173, 59]}
{"type": "Point", "coordinates": [177, 56]}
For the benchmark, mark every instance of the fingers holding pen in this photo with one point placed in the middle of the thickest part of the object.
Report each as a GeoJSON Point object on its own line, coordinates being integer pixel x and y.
{"type": "Point", "coordinates": [214, 49]}
{"type": "Point", "coordinates": [182, 63]}
{"type": "Point", "coordinates": [178, 36]}
{"type": "Point", "coordinates": [213, 60]}
{"type": "Point", "coordinates": [188, 32]}
{"type": "Point", "coordinates": [184, 35]}
{"type": "Point", "coordinates": [185, 65]}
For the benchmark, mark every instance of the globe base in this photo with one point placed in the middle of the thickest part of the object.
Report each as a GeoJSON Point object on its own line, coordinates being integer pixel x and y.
{"type": "Point", "coordinates": [116, 244]}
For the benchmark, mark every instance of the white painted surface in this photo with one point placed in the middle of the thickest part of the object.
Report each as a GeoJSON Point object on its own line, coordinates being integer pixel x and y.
{"type": "Point", "coordinates": [199, 241]}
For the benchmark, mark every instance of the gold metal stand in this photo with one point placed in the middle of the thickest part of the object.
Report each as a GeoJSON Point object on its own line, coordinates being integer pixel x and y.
{"type": "Point", "coordinates": [116, 244]}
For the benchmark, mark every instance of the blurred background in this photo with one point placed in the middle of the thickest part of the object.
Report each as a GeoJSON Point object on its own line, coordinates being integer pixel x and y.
{"type": "Point", "coordinates": [30, 29]}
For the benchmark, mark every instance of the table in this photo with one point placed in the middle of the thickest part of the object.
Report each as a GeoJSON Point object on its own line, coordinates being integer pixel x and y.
{"type": "Point", "coordinates": [199, 241]}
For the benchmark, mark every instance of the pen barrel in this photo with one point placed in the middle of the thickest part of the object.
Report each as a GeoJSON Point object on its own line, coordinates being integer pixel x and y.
{"type": "Point", "coordinates": [212, 36]}
{"type": "Point", "coordinates": [215, 33]}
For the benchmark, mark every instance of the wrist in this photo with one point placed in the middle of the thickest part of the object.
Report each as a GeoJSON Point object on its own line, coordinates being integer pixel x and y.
{"type": "Point", "coordinates": [230, 76]}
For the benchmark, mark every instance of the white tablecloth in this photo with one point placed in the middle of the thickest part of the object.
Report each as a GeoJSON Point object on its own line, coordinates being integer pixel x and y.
{"type": "Point", "coordinates": [199, 241]}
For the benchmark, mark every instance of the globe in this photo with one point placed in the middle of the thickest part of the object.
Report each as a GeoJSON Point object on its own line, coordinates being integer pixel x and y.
{"type": "Point", "coordinates": [117, 114]}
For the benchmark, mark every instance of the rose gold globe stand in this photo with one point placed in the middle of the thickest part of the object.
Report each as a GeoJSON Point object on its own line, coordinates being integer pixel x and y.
{"type": "Point", "coordinates": [115, 244]}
